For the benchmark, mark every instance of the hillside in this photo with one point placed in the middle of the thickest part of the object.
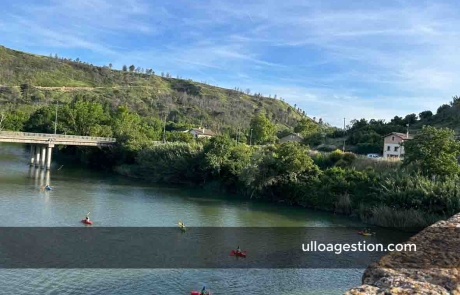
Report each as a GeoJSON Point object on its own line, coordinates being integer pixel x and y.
{"type": "Point", "coordinates": [447, 115]}
{"type": "Point", "coordinates": [28, 81]}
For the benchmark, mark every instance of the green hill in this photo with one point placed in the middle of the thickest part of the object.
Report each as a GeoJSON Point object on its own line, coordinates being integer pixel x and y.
{"type": "Point", "coordinates": [28, 81]}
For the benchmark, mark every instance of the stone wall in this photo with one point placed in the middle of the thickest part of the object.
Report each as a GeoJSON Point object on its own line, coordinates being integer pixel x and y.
{"type": "Point", "coordinates": [433, 269]}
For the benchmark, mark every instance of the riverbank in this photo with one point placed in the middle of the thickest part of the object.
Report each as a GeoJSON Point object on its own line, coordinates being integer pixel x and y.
{"type": "Point", "coordinates": [383, 216]}
{"type": "Point", "coordinates": [433, 269]}
{"type": "Point", "coordinates": [375, 192]}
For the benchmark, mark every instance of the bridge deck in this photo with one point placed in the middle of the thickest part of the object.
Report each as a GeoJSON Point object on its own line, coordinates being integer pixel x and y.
{"type": "Point", "coordinates": [55, 139]}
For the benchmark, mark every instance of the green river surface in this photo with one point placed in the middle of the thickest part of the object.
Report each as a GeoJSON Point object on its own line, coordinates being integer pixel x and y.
{"type": "Point", "coordinates": [117, 201]}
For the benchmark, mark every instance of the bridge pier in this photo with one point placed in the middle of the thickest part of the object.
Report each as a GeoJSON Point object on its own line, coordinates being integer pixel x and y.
{"type": "Point", "coordinates": [43, 157]}
{"type": "Point", "coordinates": [37, 156]}
{"type": "Point", "coordinates": [48, 158]}
{"type": "Point", "coordinates": [32, 154]}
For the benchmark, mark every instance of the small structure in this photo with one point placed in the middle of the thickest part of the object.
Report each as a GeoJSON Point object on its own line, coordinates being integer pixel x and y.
{"type": "Point", "coordinates": [293, 137]}
{"type": "Point", "coordinates": [201, 133]}
{"type": "Point", "coordinates": [392, 145]}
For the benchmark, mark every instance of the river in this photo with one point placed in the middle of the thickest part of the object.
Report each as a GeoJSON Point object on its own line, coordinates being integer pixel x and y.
{"type": "Point", "coordinates": [118, 201]}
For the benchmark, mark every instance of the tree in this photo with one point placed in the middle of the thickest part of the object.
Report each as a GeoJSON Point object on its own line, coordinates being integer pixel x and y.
{"type": "Point", "coordinates": [177, 136]}
{"type": "Point", "coordinates": [306, 127]}
{"type": "Point", "coordinates": [455, 100]}
{"type": "Point", "coordinates": [434, 151]}
{"type": "Point", "coordinates": [110, 65]}
{"type": "Point", "coordinates": [125, 68]}
{"type": "Point", "coordinates": [263, 131]}
{"type": "Point", "coordinates": [42, 120]}
{"type": "Point", "coordinates": [13, 121]}
{"type": "Point", "coordinates": [425, 115]}
{"type": "Point", "coordinates": [132, 68]}
{"type": "Point", "coordinates": [83, 117]}
{"type": "Point", "coordinates": [293, 159]}
{"type": "Point", "coordinates": [216, 153]}
{"type": "Point", "coordinates": [398, 121]}
{"type": "Point", "coordinates": [443, 109]}
{"type": "Point", "coordinates": [410, 119]}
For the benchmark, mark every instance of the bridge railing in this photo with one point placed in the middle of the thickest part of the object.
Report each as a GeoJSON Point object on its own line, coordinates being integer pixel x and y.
{"type": "Point", "coordinates": [46, 135]}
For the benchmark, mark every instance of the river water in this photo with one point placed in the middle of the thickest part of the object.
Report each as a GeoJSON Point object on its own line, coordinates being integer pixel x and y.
{"type": "Point", "coordinates": [117, 201]}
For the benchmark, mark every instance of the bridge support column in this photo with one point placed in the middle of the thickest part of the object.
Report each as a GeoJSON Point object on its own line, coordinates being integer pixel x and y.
{"type": "Point", "coordinates": [48, 157]}
{"type": "Point", "coordinates": [43, 157]}
{"type": "Point", "coordinates": [37, 156]}
{"type": "Point", "coordinates": [32, 154]}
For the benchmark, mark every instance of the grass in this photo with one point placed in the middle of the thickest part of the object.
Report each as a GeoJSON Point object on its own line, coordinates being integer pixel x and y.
{"type": "Point", "coordinates": [390, 217]}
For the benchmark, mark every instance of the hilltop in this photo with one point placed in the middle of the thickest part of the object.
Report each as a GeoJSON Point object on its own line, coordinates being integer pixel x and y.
{"type": "Point", "coordinates": [28, 81]}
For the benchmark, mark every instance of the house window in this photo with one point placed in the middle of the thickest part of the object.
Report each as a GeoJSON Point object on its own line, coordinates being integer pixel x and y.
{"type": "Point", "coordinates": [393, 138]}
{"type": "Point", "coordinates": [388, 148]}
{"type": "Point", "coordinates": [396, 148]}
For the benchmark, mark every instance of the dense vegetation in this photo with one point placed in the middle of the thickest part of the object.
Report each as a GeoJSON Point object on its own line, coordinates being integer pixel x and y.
{"type": "Point", "coordinates": [30, 82]}
{"type": "Point", "coordinates": [382, 193]}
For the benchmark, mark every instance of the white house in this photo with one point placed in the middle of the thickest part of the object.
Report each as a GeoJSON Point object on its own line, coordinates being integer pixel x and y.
{"type": "Point", "coordinates": [201, 133]}
{"type": "Point", "coordinates": [392, 145]}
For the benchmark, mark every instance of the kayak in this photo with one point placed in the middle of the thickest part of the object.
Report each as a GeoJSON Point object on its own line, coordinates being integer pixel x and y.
{"type": "Point", "coordinates": [241, 254]}
{"type": "Point", "coordinates": [86, 221]}
{"type": "Point", "coordinates": [365, 234]}
{"type": "Point", "coordinates": [197, 293]}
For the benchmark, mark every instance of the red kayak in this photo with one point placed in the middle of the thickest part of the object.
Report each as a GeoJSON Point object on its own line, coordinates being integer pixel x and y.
{"type": "Point", "coordinates": [87, 221]}
{"type": "Point", "coordinates": [241, 254]}
{"type": "Point", "coordinates": [197, 293]}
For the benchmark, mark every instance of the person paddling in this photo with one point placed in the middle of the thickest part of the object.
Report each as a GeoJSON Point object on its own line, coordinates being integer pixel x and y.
{"type": "Point", "coordinates": [203, 291]}
{"type": "Point", "coordinates": [87, 217]}
{"type": "Point", "coordinates": [238, 250]}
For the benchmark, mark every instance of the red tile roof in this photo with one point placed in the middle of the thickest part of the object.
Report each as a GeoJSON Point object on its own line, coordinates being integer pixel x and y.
{"type": "Point", "coordinates": [401, 135]}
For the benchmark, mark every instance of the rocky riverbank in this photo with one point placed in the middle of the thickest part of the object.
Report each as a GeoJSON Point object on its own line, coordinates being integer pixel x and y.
{"type": "Point", "coordinates": [433, 269]}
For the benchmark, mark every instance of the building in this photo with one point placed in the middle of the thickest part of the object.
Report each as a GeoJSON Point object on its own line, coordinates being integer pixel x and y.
{"type": "Point", "coordinates": [392, 145]}
{"type": "Point", "coordinates": [201, 133]}
{"type": "Point", "coordinates": [293, 137]}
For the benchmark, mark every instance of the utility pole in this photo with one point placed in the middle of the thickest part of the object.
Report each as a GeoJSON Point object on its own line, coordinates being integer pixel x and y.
{"type": "Point", "coordinates": [345, 136]}
{"type": "Point", "coordinates": [250, 138]}
{"type": "Point", "coordinates": [55, 119]}
{"type": "Point", "coordinates": [407, 134]}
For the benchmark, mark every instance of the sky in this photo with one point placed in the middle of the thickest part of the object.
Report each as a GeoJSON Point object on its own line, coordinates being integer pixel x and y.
{"type": "Point", "coordinates": [334, 59]}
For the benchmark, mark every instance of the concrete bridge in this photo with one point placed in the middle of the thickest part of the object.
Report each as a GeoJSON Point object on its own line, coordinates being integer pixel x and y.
{"type": "Point", "coordinates": [41, 144]}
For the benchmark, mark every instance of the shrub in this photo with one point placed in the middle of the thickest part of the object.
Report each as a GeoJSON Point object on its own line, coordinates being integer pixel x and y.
{"type": "Point", "coordinates": [349, 157]}
{"type": "Point", "coordinates": [171, 163]}
{"type": "Point", "coordinates": [401, 218]}
{"type": "Point", "coordinates": [336, 155]}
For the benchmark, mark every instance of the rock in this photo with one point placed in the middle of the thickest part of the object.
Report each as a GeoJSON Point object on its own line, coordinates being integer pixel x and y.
{"type": "Point", "coordinates": [433, 269]}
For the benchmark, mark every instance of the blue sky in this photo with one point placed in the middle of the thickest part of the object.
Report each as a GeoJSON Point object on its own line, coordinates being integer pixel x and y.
{"type": "Point", "coordinates": [334, 59]}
